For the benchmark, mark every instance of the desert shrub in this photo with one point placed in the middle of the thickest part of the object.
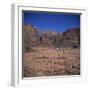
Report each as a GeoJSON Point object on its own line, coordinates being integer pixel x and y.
{"type": "Point", "coordinates": [72, 68]}
{"type": "Point", "coordinates": [29, 49]}
{"type": "Point", "coordinates": [75, 46]}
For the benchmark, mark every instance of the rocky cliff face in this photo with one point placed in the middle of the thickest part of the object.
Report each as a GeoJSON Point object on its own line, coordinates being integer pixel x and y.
{"type": "Point", "coordinates": [33, 37]}
{"type": "Point", "coordinates": [71, 37]}
{"type": "Point", "coordinates": [49, 38]}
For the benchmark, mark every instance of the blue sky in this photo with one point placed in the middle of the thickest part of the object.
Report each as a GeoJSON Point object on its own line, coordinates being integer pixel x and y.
{"type": "Point", "coordinates": [58, 22]}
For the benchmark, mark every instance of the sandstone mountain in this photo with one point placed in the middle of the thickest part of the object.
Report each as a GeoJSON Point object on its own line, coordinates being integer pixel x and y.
{"type": "Point", "coordinates": [50, 38]}
{"type": "Point", "coordinates": [31, 37]}
{"type": "Point", "coordinates": [71, 38]}
{"type": "Point", "coordinates": [34, 37]}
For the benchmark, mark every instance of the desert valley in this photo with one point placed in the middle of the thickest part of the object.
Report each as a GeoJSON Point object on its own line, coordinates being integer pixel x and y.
{"type": "Point", "coordinates": [50, 53]}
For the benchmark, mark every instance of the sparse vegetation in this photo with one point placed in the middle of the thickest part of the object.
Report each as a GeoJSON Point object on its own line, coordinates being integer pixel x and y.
{"type": "Point", "coordinates": [51, 53]}
{"type": "Point", "coordinates": [46, 62]}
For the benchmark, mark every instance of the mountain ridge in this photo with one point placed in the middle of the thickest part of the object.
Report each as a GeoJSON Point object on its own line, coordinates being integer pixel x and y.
{"type": "Point", "coordinates": [34, 37]}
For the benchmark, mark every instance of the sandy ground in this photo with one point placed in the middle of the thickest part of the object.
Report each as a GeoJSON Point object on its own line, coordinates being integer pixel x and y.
{"type": "Point", "coordinates": [44, 61]}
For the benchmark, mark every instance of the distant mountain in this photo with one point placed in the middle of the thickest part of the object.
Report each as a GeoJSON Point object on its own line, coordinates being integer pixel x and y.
{"type": "Point", "coordinates": [34, 37]}
{"type": "Point", "coordinates": [49, 38]}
